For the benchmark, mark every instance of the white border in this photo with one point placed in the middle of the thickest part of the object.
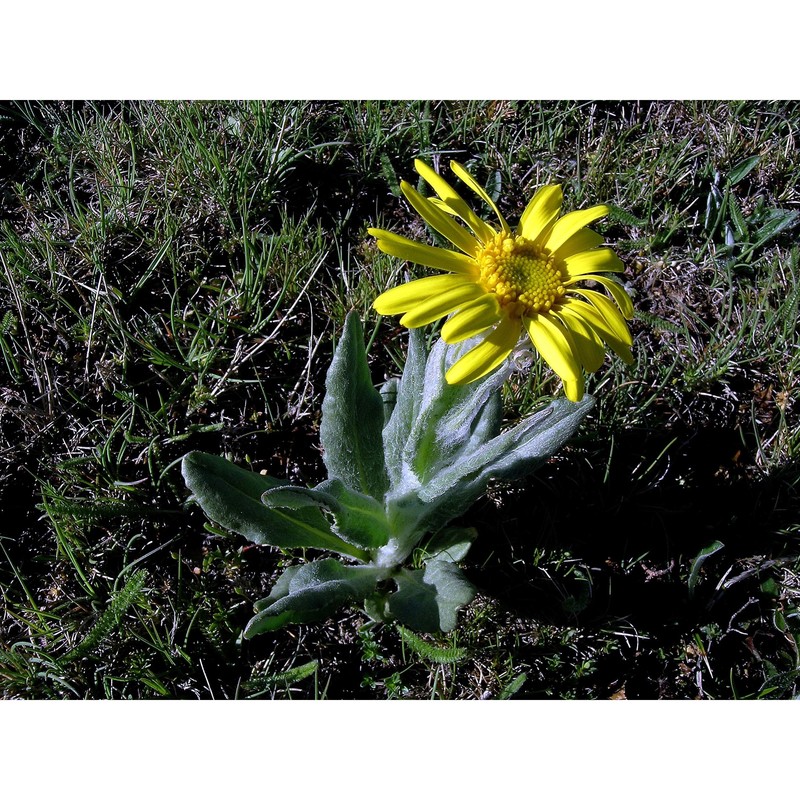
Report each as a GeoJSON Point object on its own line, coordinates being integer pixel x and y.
{"type": "Point", "coordinates": [394, 748]}
{"type": "Point", "coordinates": [360, 49]}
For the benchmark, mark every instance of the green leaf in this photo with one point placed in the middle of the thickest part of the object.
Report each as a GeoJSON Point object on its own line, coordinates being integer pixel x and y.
{"type": "Point", "coordinates": [451, 418]}
{"type": "Point", "coordinates": [494, 185]}
{"type": "Point", "coordinates": [742, 170]}
{"type": "Point", "coordinates": [737, 218]}
{"type": "Point", "coordinates": [430, 652]}
{"type": "Point", "coordinates": [512, 688]}
{"type": "Point", "coordinates": [429, 599]}
{"type": "Point", "coordinates": [618, 214]}
{"type": "Point", "coordinates": [294, 497]}
{"type": "Point", "coordinates": [312, 592]}
{"type": "Point", "coordinates": [359, 518]}
{"type": "Point", "coordinates": [694, 573]}
{"type": "Point", "coordinates": [258, 684]}
{"type": "Point", "coordinates": [110, 618]}
{"type": "Point", "coordinates": [407, 399]}
{"type": "Point", "coordinates": [775, 221]}
{"type": "Point", "coordinates": [231, 497]}
{"type": "Point", "coordinates": [512, 454]}
{"type": "Point", "coordinates": [389, 396]}
{"type": "Point", "coordinates": [388, 172]}
{"type": "Point", "coordinates": [352, 417]}
{"type": "Point", "coordinates": [279, 589]}
{"type": "Point", "coordinates": [451, 544]}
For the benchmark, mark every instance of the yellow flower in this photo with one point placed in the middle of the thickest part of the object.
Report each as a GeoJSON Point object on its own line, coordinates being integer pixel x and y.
{"type": "Point", "coordinates": [504, 281]}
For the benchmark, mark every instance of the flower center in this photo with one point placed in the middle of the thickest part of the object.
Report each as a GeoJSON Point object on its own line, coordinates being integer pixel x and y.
{"type": "Point", "coordinates": [521, 275]}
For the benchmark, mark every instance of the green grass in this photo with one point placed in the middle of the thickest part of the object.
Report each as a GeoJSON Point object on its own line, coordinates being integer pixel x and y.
{"type": "Point", "coordinates": [173, 277]}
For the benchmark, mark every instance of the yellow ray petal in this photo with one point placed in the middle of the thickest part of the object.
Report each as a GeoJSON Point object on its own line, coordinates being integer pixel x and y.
{"type": "Point", "coordinates": [554, 346]}
{"type": "Point", "coordinates": [592, 317]}
{"type": "Point", "coordinates": [608, 311]}
{"type": "Point", "coordinates": [488, 355]}
{"type": "Point", "coordinates": [472, 319]}
{"type": "Point", "coordinates": [424, 254]}
{"type": "Point", "coordinates": [584, 239]}
{"type": "Point", "coordinates": [453, 201]}
{"type": "Point", "coordinates": [406, 296]}
{"type": "Point", "coordinates": [541, 211]}
{"type": "Point", "coordinates": [440, 305]}
{"type": "Point", "coordinates": [479, 190]}
{"type": "Point", "coordinates": [442, 206]}
{"type": "Point", "coordinates": [574, 390]}
{"type": "Point", "coordinates": [615, 290]}
{"type": "Point", "coordinates": [440, 221]}
{"type": "Point", "coordinates": [571, 223]}
{"type": "Point", "coordinates": [601, 260]}
{"type": "Point", "coordinates": [588, 344]}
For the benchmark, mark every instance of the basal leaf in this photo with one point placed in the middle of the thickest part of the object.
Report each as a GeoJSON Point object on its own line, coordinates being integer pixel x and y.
{"type": "Point", "coordinates": [514, 452]}
{"type": "Point", "coordinates": [451, 544]}
{"type": "Point", "coordinates": [312, 592]}
{"type": "Point", "coordinates": [359, 518]}
{"type": "Point", "coordinates": [407, 401]}
{"type": "Point", "coordinates": [279, 589]}
{"type": "Point", "coordinates": [231, 497]}
{"type": "Point", "coordinates": [429, 599]}
{"type": "Point", "coordinates": [449, 414]}
{"type": "Point", "coordinates": [352, 417]}
{"type": "Point", "coordinates": [296, 497]}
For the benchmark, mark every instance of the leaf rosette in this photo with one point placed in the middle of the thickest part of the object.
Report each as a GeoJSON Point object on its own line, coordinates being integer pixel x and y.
{"type": "Point", "coordinates": [403, 462]}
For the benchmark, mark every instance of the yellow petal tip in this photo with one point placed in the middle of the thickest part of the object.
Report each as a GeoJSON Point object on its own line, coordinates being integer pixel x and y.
{"type": "Point", "coordinates": [573, 390]}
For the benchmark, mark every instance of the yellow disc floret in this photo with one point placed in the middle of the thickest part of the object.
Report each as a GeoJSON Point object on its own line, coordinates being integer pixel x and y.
{"type": "Point", "coordinates": [523, 277]}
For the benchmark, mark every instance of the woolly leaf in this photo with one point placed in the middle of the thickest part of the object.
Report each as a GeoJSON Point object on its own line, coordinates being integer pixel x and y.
{"type": "Point", "coordinates": [428, 599]}
{"type": "Point", "coordinates": [352, 417]}
{"type": "Point", "coordinates": [231, 497]}
{"type": "Point", "coordinates": [449, 414]}
{"type": "Point", "coordinates": [451, 544]}
{"type": "Point", "coordinates": [407, 400]}
{"type": "Point", "coordinates": [359, 518]}
{"type": "Point", "coordinates": [311, 592]}
{"type": "Point", "coordinates": [279, 589]}
{"type": "Point", "coordinates": [513, 453]}
{"type": "Point", "coordinates": [389, 396]}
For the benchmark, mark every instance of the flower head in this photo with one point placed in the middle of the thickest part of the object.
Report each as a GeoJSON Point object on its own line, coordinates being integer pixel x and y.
{"type": "Point", "coordinates": [505, 281]}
